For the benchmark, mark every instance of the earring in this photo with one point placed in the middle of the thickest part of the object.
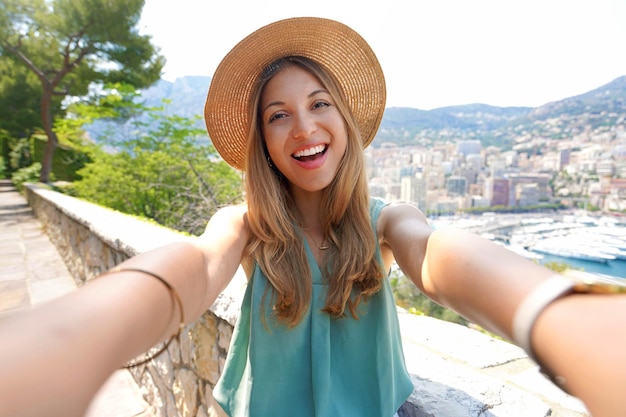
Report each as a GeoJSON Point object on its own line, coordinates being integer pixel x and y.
{"type": "Point", "coordinates": [273, 168]}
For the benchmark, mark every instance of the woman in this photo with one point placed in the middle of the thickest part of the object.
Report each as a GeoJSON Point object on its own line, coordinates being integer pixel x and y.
{"type": "Point", "coordinates": [312, 253]}
{"type": "Point", "coordinates": [293, 105]}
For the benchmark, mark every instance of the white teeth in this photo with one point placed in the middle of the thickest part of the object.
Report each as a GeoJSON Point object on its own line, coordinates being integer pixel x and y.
{"type": "Point", "coordinates": [310, 151]}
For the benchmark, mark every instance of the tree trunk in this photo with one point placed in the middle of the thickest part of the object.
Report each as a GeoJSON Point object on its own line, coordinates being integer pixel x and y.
{"type": "Point", "coordinates": [51, 144]}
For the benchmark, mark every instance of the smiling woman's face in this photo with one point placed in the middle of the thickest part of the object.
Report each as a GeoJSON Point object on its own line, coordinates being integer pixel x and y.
{"type": "Point", "coordinates": [303, 130]}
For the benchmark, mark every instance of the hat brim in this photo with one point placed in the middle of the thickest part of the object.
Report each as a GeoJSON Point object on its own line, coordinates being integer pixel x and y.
{"type": "Point", "coordinates": [335, 46]}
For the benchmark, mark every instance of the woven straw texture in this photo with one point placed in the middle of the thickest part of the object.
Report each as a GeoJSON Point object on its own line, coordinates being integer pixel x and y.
{"type": "Point", "coordinates": [333, 45]}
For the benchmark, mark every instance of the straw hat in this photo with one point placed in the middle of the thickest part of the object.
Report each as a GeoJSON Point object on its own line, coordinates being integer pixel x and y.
{"type": "Point", "coordinates": [335, 46]}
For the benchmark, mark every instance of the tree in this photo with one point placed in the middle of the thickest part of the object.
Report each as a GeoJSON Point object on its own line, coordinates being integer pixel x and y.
{"type": "Point", "coordinates": [19, 99]}
{"type": "Point", "coordinates": [70, 44]}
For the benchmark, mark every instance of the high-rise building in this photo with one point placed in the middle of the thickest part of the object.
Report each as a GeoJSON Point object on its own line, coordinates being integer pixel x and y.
{"type": "Point", "coordinates": [413, 190]}
{"type": "Point", "coordinates": [500, 192]}
{"type": "Point", "coordinates": [456, 185]}
{"type": "Point", "coordinates": [468, 147]}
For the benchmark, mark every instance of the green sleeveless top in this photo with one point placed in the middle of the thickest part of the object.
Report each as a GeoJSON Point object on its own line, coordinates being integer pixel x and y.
{"type": "Point", "coordinates": [323, 367]}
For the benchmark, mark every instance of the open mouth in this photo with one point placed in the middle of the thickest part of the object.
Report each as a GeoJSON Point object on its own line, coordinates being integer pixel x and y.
{"type": "Point", "coordinates": [310, 154]}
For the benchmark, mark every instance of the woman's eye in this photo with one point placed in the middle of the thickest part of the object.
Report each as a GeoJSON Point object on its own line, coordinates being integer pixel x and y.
{"type": "Point", "coordinates": [319, 104]}
{"type": "Point", "coordinates": [276, 116]}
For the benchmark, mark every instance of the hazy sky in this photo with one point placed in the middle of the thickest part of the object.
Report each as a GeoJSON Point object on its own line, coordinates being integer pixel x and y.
{"type": "Point", "coordinates": [434, 53]}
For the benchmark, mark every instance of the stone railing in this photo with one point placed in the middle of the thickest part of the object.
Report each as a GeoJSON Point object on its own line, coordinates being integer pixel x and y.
{"type": "Point", "coordinates": [456, 371]}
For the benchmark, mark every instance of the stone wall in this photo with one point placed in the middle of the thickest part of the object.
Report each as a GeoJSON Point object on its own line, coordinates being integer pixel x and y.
{"type": "Point", "coordinates": [456, 371]}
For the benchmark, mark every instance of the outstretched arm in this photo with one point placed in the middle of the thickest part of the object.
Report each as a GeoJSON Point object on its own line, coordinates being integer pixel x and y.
{"type": "Point", "coordinates": [578, 337]}
{"type": "Point", "coordinates": [54, 357]}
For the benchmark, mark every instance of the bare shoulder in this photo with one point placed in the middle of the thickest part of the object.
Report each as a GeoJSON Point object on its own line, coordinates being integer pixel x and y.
{"type": "Point", "coordinates": [229, 222]}
{"type": "Point", "coordinates": [232, 212]}
{"type": "Point", "coordinates": [401, 222]}
{"type": "Point", "coordinates": [397, 217]}
{"type": "Point", "coordinates": [402, 232]}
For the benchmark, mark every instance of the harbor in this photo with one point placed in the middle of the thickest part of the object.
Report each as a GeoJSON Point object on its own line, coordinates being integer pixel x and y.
{"type": "Point", "coordinates": [593, 244]}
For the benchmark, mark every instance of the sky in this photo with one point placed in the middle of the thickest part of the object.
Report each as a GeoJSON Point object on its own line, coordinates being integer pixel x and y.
{"type": "Point", "coordinates": [434, 53]}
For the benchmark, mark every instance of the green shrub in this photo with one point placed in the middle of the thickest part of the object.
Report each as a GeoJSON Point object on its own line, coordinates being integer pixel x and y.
{"type": "Point", "coordinates": [28, 174]}
{"type": "Point", "coordinates": [65, 162]}
{"type": "Point", "coordinates": [3, 168]}
{"type": "Point", "coordinates": [20, 155]}
{"type": "Point", "coordinates": [4, 149]}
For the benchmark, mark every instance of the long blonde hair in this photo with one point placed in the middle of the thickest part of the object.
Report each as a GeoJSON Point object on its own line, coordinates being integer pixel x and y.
{"type": "Point", "coordinates": [351, 268]}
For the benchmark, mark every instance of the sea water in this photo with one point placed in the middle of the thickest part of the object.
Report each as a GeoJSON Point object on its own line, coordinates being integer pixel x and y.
{"type": "Point", "coordinates": [615, 268]}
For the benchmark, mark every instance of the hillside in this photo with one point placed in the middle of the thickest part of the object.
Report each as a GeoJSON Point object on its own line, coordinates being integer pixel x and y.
{"type": "Point", "coordinates": [187, 95]}
{"type": "Point", "coordinates": [505, 126]}
{"type": "Point", "coordinates": [405, 126]}
{"type": "Point", "coordinates": [499, 126]}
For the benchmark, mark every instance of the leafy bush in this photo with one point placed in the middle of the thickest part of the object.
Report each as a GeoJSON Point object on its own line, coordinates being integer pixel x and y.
{"type": "Point", "coordinates": [20, 154]}
{"type": "Point", "coordinates": [66, 162]}
{"type": "Point", "coordinates": [3, 169]}
{"type": "Point", "coordinates": [169, 173]}
{"type": "Point", "coordinates": [28, 174]}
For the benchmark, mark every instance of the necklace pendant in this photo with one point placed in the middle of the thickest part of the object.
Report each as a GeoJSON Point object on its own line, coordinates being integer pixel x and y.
{"type": "Point", "coordinates": [322, 247]}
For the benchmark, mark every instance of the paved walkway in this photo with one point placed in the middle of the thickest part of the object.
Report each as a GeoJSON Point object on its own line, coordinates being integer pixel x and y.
{"type": "Point", "coordinates": [32, 271]}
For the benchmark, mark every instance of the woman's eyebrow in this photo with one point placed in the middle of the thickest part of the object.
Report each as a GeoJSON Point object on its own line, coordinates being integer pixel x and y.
{"type": "Point", "coordinates": [272, 103]}
{"type": "Point", "coordinates": [318, 91]}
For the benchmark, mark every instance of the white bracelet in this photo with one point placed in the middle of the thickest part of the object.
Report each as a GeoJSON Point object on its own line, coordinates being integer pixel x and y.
{"type": "Point", "coordinates": [532, 306]}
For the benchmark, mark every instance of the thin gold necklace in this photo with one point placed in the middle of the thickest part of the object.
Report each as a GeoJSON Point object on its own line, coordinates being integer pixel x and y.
{"type": "Point", "coordinates": [322, 247]}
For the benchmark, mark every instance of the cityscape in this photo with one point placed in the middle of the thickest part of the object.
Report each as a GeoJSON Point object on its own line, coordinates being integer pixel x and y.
{"type": "Point", "coordinates": [449, 177]}
{"type": "Point", "coordinates": [585, 176]}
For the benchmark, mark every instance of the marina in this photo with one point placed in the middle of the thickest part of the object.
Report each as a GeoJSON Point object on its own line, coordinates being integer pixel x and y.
{"type": "Point", "coordinates": [594, 244]}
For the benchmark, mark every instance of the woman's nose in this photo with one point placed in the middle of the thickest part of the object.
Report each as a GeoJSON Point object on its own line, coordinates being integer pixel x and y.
{"type": "Point", "coordinates": [304, 126]}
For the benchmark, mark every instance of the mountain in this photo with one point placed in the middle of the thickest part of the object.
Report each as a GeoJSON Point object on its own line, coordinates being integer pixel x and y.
{"type": "Point", "coordinates": [610, 98]}
{"type": "Point", "coordinates": [492, 125]}
{"type": "Point", "coordinates": [403, 126]}
{"type": "Point", "coordinates": [506, 126]}
{"type": "Point", "coordinates": [187, 95]}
